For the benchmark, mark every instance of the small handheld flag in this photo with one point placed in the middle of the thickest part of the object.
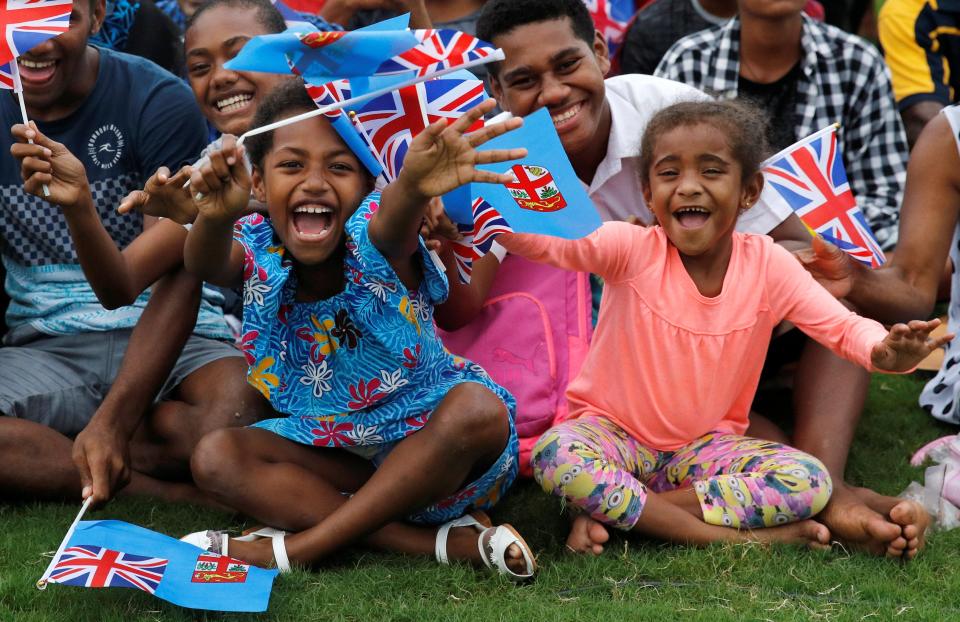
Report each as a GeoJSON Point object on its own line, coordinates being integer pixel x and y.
{"type": "Point", "coordinates": [810, 176]}
{"type": "Point", "coordinates": [477, 238]}
{"type": "Point", "coordinates": [112, 553]}
{"type": "Point", "coordinates": [391, 121]}
{"type": "Point", "coordinates": [27, 24]}
{"type": "Point", "coordinates": [545, 197]}
{"type": "Point", "coordinates": [322, 57]}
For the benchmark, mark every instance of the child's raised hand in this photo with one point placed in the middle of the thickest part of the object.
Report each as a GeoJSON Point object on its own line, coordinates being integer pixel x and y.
{"type": "Point", "coordinates": [221, 186]}
{"type": "Point", "coordinates": [48, 163]}
{"type": "Point", "coordinates": [906, 345]}
{"type": "Point", "coordinates": [441, 158]}
{"type": "Point", "coordinates": [164, 196]}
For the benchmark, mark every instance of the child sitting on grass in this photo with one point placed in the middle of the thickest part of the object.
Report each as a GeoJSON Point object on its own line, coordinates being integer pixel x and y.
{"type": "Point", "coordinates": [338, 304]}
{"type": "Point", "coordinates": [655, 444]}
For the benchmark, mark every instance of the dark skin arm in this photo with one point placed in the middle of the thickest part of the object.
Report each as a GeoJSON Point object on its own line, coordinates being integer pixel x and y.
{"type": "Point", "coordinates": [102, 450]}
{"type": "Point", "coordinates": [906, 287]}
{"type": "Point", "coordinates": [443, 158]}
{"type": "Point", "coordinates": [117, 277]}
{"type": "Point", "coordinates": [916, 117]}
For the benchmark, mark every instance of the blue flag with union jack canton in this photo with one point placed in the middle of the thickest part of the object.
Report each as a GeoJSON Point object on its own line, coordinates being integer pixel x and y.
{"type": "Point", "coordinates": [478, 237]}
{"type": "Point", "coordinates": [28, 23]}
{"type": "Point", "coordinates": [117, 554]}
{"type": "Point", "coordinates": [811, 178]}
{"type": "Point", "coordinates": [322, 57]}
{"type": "Point", "coordinates": [546, 195]}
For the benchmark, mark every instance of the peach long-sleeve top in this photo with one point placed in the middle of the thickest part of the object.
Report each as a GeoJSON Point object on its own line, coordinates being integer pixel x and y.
{"type": "Point", "coordinates": [668, 364]}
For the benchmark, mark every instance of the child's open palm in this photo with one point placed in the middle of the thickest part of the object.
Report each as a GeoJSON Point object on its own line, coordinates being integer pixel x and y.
{"type": "Point", "coordinates": [906, 345]}
{"type": "Point", "coordinates": [442, 158]}
{"type": "Point", "coordinates": [222, 185]}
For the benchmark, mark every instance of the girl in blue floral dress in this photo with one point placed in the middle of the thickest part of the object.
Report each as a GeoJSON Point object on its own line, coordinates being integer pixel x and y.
{"type": "Point", "coordinates": [338, 331]}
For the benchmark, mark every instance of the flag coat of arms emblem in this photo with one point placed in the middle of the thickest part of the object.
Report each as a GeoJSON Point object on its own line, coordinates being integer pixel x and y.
{"type": "Point", "coordinates": [547, 197]}
{"type": "Point", "coordinates": [811, 178]}
{"type": "Point", "coordinates": [534, 189]}
{"type": "Point", "coordinates": [213, 568]}
{"type": "Point", "coordinates": [112, 553]}
{"type": "Point", "coordinates": [28, 23]}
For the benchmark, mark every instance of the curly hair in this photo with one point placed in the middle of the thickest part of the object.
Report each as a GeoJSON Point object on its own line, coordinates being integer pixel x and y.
{"type": "Point", "coordinates": [289, 98]}
{"type": "Point", "coordinates": [744, 125]}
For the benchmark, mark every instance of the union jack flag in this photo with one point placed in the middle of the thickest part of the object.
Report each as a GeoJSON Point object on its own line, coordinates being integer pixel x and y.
{"type": "Point", "coordinates": [611, 18]}
{"type": "Point", "coordinates": [391, 121]}
{"type": "Point", "coordinates": [7, 81]}
{"type": "Point", "coordinates": [94, 566]}
{"type": "Point", "coordinates": [811, 178]}
{"type": "Point", "coordinates": [437, 50]}
{"type": "Point", "coordinates": [28, 23]}
{"type": "Point", "coordinates": [477, 238]}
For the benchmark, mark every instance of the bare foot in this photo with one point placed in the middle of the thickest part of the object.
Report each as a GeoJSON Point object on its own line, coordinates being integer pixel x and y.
{"type": "Point", "coordinates": [587, 535]}
{"type": "Point", "coordinates": [914, 520]}
{"type": "Point", "coordinates": [808, 533]}
{"type": "Point", "coordinates": [857, 525]}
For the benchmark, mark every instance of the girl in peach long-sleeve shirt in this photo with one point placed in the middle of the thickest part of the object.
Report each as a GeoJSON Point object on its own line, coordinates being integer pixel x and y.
{"type": "Point", "coordinates": [654, 442]}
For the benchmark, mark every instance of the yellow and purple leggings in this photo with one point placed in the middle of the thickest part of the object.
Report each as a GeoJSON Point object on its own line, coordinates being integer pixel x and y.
{"type": "Point", "coordinates": [741, 482]}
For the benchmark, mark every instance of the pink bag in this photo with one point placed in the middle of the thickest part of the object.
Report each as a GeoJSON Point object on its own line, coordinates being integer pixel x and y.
{"type": "Point", "coordinates": [532, 337]}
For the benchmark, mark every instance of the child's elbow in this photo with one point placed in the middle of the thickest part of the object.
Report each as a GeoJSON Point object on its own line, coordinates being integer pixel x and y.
{"type": "Point", "coordinates": [112, 300]}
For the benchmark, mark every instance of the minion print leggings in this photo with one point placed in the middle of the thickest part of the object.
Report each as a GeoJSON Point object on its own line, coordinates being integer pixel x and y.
{"type": "Point", "coordinates": [741, 482]}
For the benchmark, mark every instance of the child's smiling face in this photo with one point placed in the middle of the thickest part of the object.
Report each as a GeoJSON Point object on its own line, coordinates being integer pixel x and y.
{"type": "Point", "coordinates": [696, 188]}
{"type": "Point", "coordinates": [228, 99]}
{"type": "Point", "coordinates": [311, 183]}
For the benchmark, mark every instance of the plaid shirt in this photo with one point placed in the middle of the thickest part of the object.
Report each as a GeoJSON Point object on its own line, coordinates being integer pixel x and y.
{"type": "Point", "coordinates": [843, 79]}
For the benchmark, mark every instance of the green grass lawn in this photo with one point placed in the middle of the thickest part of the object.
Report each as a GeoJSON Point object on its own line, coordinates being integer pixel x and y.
{"type": "Point", "coordinates": [633, 580]}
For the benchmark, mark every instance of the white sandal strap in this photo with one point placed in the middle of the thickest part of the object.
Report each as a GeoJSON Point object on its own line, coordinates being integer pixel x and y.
{"type": "Point", "coordinates": [280, 552]}
{"type": "Point", "coordinates": [494, 554]}
{"type": "Point", "coordinates": [440, 545]}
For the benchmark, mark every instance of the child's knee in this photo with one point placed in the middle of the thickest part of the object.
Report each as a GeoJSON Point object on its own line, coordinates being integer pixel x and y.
{"type": "Point", "coordinates": [809, 479]}
{"type": "Point", "coordinates": [217, 459]}
{"type": "Point", "coordinates": [561, 465]}
{"type": "Point", "coordinates": [474, 414]}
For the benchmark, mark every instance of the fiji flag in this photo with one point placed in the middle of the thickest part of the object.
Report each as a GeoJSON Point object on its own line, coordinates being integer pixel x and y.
{"type": "Point", "coordinates": [391, 121]}
{"type": "Point", "coordinates": [810, 177]}
{"type": "Point", "coordinates": [477, 237]}
{"type": "Point", "coordinates": [611, 18]}
{"type": "Point", "coordinates": [545, 196]}
{"type": "Point", "coordinates": [322, 57]}
{"type": "Point", "coordinates": [28, 23]}
{"type": "Point", "coordinates": [117, 554]}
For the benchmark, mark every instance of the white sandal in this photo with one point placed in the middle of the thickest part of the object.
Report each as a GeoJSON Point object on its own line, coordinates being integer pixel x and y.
{"type": "Point", "coordinates": [493, 549]}
{"type": "Point", "coordinates": [494, 554]}
{"type": "Point", "coordinates": [219, 542]}
{"type": "Point", "coordinates": [478, 520]}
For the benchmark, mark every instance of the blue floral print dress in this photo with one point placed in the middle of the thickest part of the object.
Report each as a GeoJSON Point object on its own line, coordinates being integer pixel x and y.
{"type": "Point", "coordinates": [360, 370]}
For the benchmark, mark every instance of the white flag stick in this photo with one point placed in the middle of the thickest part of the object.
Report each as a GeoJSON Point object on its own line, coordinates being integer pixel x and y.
{"type": "Point", "coordinates": [497, 55]}
{"type": "Point", "coordinates": [18, 89]}
{"type": "Point", "coordinates": [42, 581]}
